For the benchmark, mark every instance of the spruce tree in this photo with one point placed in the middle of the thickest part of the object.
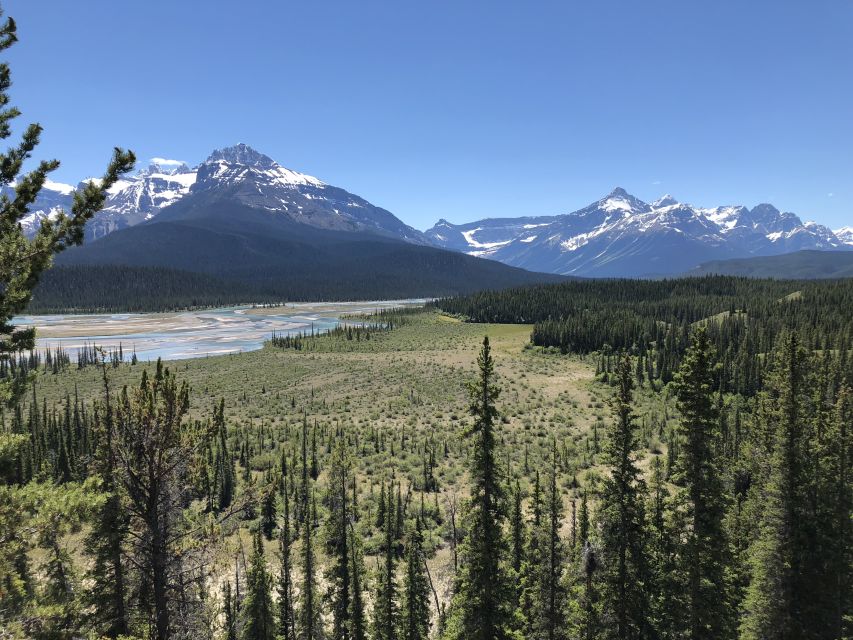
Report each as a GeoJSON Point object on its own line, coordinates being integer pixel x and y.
{"type": "Point", "coordinates": [224, 464]}
{"type": "Point", "coordinates": [337, 540]}
{"type": "Point", "coordinates": [665, 596]}
{"type": "Point", "coordinates": [789, 595]}
{"type": "Point", "coordinates": [106, 541]}
{"type": "Point", "coordinates": [358, 624]}
{"type": "Point", "coordinates": [257, 610]}
{"type": "Point", "coordinates": [519, 542]}
{"type": "Point", "coordinates": [229, 613]}
{"type": "Point", "coordinates": [385, 606]}
{"type": "Point", "coordinates": [286, 616]}
{"type": "Point", "coordinates": [415, 611]}
{"type": "Point", "coordinates": [621, 517]}
{"type": "Point", "coordinates": [482, 607]}
{"type": "Point", "coordinates": [704, 555]}
{"type": "Point", "coordinates": [310, 622]}
{"type": "Point", "coordinates": [547, 617]}
{"type": "Point", "coordinates": [268, 509]}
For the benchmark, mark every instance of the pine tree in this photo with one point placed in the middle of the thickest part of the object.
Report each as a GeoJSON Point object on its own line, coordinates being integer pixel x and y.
{"type": "Point", "coordinates": [310, 622]}
{"type": "Point", "coordinates": [786, 597]}
{"type": "Point", "coordinates": [224, 464]}
{"type": "Point", "coordinates": [257, 609]}
{"type": "Point", "coordinates": [109, 529]}
{"type": "Point", "coordinates": [704, 554]}
{"type": "Point", "coordinates": [519, 542]}
{"type": "Point", "coordinates": [268, 515]}
{"type": "Point", "coordinates": [338, 575]}
{"type": "Point", "coordinates": [357, 609]}
{"type": "Point", "coordinates": [415, 611]}
{"type": "Point", "coordinates": [22, 262]}
{"type": "Point", "coordinates": [381, 508]}
{"type": "Point", "coordinates": [665, 599]}
{"type": "Point", "coordinates": [25, 259]}
{"type": "Point", "coordinates": [229, 612]}
{"type": "Point", "coordinates": [547, 617]}
{"type": "Point", "coordinates": [482, 608]}
{"type": "Point", "coordinates": [385, 609]}
{"type": "Point", "coordinates": [286, 615]}
{"type": "Point", "coordinates": [154, 450]}
{"type": "Point", "coordinates": [624, 565]}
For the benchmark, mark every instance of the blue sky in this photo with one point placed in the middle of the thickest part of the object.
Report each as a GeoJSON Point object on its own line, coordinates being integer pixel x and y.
{"type": "Point", "coordinates": [461, 110]}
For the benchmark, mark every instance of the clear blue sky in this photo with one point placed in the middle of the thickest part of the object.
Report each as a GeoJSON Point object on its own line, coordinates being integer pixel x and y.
{"type": "Point", "coordinates": [464, 109]}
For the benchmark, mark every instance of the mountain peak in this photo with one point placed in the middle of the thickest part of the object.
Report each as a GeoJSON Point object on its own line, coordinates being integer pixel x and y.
{"type": "Point", "coordinates": [665, 200]}
{"type": "Point", "coordinates": [241, 154]}
{"type": "Point", "coordinates": [621, 200]}
{"type": "Point", "coordinates": [151, 169]}
{"type": "Point", "coordinates": [181, 168]}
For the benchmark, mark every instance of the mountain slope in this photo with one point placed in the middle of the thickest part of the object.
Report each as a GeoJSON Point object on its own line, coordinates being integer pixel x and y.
{"type": "Point", "coordinates": [789, 266]}
{"type": "Point", "coordinates": [248, 176]}
{"type": "Point", "coordinates": [620, 235]}
{"type": "Point", "coordinates": [115, 288]}
{"type": "Point", "coordinates": [245, 219]}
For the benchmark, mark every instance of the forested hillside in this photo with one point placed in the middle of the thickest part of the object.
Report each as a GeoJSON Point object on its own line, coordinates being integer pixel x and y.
{"type": "Point", "coordinates": [279, 257]}
{"type": "Point", "coordinates": [653, 320]}
{"type": "Point", "coordinates": [800, 264]}
{"type": "Point", "coordinates": [112, 288]}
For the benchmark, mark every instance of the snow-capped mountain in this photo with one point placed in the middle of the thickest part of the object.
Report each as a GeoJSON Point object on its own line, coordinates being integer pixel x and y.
{"type": "Point", "coordinates": [242, 217]}
{"type": "Point", "coordinates": [243, 175]}
{"type": "Point", "coordinates": [845, 234]}
{"type": "Point", "coordinates": [239, 174]}
{"type": "Point", "coordinates": [620, 235]}
{"type": "Point", "coordinates": [131, 200]}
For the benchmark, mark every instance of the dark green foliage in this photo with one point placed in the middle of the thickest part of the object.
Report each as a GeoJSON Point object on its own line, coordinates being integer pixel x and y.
{"type": "Point", "coordinates": [337, 541]}
{"type": "Point", "coordinates": [310, 624]}
{"type": "Point", "coordinates": [229, 613]}
{"type": "Point", "coordinates": [107, 538]}
{"type": "Point", "coordinates": [653, 319]}
{"type": "Point", "coordinates": [385, 604]}
{"type": "Point", "coordinates": [268, 517]}
{"type": "Point", "coordinates": [623, 557]}
{"type": "Point", "coordinates": [257, 609]}
{"type": "Point", "coordinates": [800, 566]}
{"type": "Point", "coordinates": [482, 608]}
{"type": "Point", "coordinates": [286, 614]}
{"type": "Point", "coordinates": [547, 615]}
{"type": "Point", "coordinates": [114, 288]}
{"type": "Point", "coordinates": [224, 477]}
{"type": "Point", "coordinates": [415, 606]}
{"type": "Point", "coordinates": [358, 618]}
{"type": "Point", "coordinates": [704, 559]}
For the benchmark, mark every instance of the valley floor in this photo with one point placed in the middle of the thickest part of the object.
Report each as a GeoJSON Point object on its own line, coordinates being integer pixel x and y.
{"type": "Point", "coordinates": [408, 386]}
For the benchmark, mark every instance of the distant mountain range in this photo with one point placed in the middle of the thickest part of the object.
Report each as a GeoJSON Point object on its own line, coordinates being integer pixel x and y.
{"type": "Point", "coordinates": [241, 217]}
{"type": "Point", "coordinates": [620, 235]}
{"type": "Point", "coordinates": [238, 190]}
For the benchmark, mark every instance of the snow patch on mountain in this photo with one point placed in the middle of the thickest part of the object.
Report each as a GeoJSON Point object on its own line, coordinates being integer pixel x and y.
{"type": "Point", "coordinates": [622, 235]}
{"type": "Point", "coordinates": [845, 235]}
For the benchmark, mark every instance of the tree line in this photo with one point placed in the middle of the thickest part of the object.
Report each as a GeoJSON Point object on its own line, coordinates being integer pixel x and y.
{"type": "Point", "coordinates": [653, 320]}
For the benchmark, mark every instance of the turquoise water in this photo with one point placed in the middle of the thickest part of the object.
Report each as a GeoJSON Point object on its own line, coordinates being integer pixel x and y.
{"type": "Point", "coordinates": [193, 334]}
